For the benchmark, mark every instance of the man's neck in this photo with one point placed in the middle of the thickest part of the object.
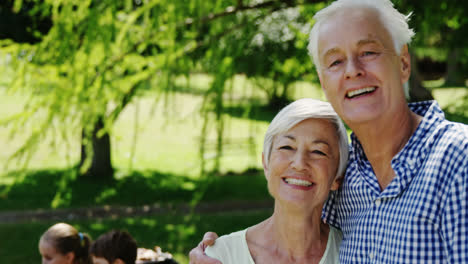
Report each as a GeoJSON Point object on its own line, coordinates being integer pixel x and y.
{"type": "Point", "coordinates": [381, 140]}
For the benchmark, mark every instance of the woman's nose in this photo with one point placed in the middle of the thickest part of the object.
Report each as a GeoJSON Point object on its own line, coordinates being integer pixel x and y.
{"type": "Point", "coordinates": [299, 161]}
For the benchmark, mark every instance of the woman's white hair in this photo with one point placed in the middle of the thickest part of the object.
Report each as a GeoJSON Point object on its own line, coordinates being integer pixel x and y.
{"type": "Point", "coordinates": [299, 111]}
{"type": "Point", "coordinates": [395, 22]}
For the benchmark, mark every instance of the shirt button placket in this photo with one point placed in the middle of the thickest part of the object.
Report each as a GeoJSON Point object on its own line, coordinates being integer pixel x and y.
{"type": "Point", "coordinates": [378, 202]}
{"type": "Point", "coordinates": [371, 254]}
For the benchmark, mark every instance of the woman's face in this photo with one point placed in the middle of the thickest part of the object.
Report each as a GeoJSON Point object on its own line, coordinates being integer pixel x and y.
{"type": "Point", "coordinates": [51, 256]}
{"type": "Point", "coordinates": [303, 164]}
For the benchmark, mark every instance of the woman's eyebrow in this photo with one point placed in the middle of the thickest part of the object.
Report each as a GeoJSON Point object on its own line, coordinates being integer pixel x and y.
{"type": "Point", "coordinates": [317, 141]}
{"type": "Point", "coordinates": [291, 137]}
{"type": "Point", "coordinates": [321, 141]}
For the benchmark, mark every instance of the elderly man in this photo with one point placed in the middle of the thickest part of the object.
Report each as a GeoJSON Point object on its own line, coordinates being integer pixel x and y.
{"type": "Point", "coordinates": [404, 196]}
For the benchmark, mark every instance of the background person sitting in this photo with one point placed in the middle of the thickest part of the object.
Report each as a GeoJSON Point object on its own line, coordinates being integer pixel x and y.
{"type": "Point", "coordinates": [114, 247]}
{"type": "Point", "coordinates": [63, 244]}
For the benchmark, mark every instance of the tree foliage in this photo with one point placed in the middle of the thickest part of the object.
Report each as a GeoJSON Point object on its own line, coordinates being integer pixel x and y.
{"type": "Point", "coordinates": [97, 55]}
{"type": "Point", "coordinates": [87, 60]}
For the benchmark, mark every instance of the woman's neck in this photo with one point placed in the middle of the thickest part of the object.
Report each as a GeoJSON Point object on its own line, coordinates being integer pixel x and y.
{"type": "Point", "coordinates": [290, 237]}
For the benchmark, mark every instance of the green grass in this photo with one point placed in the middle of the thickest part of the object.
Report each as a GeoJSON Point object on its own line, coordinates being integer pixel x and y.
{"type": "Point", "coordinates": [50, 189]}
{"type": "Point", "coordinates": [450, 96]}
{"type": "Point", "coordinates": [167, 139]}
{"type": "Point", "coordinates": [174, 233]}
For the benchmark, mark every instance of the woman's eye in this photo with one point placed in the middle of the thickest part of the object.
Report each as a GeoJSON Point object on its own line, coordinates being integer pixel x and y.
{"type": "Point", "coordinates": [319, 152]}
{"type": "Point", "coordinates": [286, 147]}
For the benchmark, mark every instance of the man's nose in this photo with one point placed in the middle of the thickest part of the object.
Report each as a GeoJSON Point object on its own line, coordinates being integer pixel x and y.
{"type": "Point", "coordinates": [353, 68]}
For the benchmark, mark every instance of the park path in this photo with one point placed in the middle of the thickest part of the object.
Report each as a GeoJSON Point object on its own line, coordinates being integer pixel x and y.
{"type": "Point", "coordinates": [104, 212]}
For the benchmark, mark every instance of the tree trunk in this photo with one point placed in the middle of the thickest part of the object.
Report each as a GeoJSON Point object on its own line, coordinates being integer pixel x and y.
{"type": "Point", "coordinates": [101, 164]}
{"type": "Point", "coordinates": [453, 77]}
{"type": "Point", "coordinates": [417, 92]}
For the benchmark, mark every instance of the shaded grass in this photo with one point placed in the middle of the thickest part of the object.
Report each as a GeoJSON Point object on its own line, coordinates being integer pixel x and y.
{"type": "Point", "coordinates": [174, 233]}
{"type": "Point", "coordinates": [48, 189]}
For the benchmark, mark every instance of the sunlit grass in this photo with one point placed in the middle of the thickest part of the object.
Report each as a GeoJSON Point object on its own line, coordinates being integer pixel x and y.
{"type": "Point", "coordinates": [449, 96]}
{"type": "Point", "coordinates": [160, 135]}
{"type": "Point", "coordinates": [147, 135]}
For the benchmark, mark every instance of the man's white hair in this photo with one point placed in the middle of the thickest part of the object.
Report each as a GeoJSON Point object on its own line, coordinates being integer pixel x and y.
{"type": "Point", "coordinates": [299, 111]}
{"type": "Point", "coordinates": [395, 22]}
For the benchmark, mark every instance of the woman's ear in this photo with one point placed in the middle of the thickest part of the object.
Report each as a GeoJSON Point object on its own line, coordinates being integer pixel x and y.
{"type": "Point", "coordinates": [265, 168]}
{"type": "Point", "coordinates": [336, 183]}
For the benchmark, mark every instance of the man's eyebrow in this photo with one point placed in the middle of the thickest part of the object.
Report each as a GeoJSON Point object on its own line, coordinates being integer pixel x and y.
{"type": "Point", "coordinates": [367, 41]}
{"type": "Point", "coordinates": [360, 43]}
{"type": "Point", "coordinates": [331, 51]}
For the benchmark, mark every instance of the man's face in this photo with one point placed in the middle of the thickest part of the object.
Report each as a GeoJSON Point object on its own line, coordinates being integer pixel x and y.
{"type": "Point", "coordinates": [361, 74]}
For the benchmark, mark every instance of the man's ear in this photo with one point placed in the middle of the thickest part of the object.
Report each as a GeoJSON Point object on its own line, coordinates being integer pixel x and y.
{"type": "Point", "coordinates": [405, 60]}
{"type": "Point", "coordinates": [336, 183]}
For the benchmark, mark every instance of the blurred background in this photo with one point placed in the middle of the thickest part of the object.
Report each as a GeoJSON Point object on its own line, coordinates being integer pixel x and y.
{"type": "Point", "coordinates": [149, 115]}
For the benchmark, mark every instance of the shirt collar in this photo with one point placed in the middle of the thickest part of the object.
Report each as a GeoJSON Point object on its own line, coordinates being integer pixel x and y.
{"type": "Point", "coordinates": [410, 158]}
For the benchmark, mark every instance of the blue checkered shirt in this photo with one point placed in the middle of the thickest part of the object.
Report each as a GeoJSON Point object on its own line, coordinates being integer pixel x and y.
{"type": "Point", "coordinates": [422, 215]}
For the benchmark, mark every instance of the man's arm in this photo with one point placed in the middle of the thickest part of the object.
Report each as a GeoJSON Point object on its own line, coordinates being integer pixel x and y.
{"type": "Point", "coordinates": [455, 219]}
{"type": "Point", "coordinates": [197, 254]}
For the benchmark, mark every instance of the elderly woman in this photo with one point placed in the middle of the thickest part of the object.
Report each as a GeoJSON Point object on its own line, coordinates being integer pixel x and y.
{"type": "Point", "coordinates": [304, 157]}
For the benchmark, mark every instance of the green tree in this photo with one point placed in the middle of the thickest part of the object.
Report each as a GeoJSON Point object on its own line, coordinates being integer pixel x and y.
{"type": "Point", "coordinates": [94, 57]}
{"type": "Point", "coordinates": [97, 55]}
{"type": "Point", "coordinates": [441, 33]}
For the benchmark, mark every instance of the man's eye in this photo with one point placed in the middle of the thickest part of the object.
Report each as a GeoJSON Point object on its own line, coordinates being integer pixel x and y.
{"type": "Point", "coordinates": [369, 53]}
{"type": "Point", "coordinates": [335, 63]}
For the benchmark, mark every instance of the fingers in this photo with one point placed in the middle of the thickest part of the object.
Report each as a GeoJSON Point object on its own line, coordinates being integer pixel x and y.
{"type": "Point", "coordinates": [209, 239]}
{"type": "Point", "coordinates": [197, 256]}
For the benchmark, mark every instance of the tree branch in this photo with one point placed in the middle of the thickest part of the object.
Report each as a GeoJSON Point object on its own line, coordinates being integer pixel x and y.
{"type": "Point", "coordinates": [231, 10]}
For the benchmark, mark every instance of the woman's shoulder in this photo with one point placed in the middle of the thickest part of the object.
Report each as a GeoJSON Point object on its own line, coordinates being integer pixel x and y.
{"type": "Point", "coordinates": [335, 233]}
{"type": "Point", "coordinates": [231, 248]}
{"type": "Point", "coordinates": [333, 245]}
{"type": "Point", "coordinates": [232, 238]}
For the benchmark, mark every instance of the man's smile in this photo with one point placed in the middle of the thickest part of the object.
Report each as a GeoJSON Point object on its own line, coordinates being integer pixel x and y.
{"type": "Point", "coordinates": [359, 92]}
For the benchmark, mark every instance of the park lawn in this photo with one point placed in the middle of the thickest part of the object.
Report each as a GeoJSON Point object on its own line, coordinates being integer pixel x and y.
{"type": "Point", "coordinates": [55, 189]}
{"type": "Point", "coordinates": [176, 234]}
